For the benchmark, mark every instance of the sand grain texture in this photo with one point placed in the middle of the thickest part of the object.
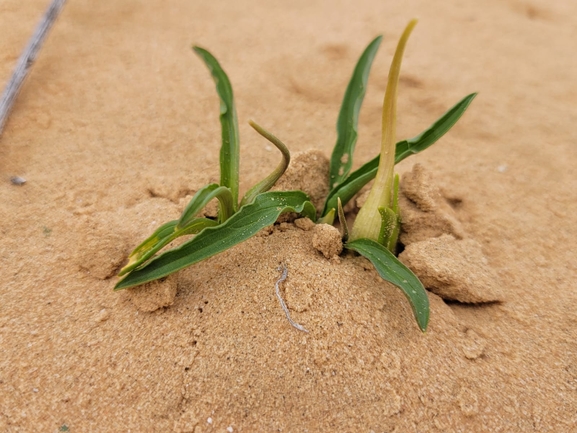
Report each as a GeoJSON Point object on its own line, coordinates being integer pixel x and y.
{"type": "Point", "coordinates": [117, 125]}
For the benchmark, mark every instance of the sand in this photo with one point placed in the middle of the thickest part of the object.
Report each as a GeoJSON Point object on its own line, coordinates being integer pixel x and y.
{"type": "Point", "coordinates": [118, 124]}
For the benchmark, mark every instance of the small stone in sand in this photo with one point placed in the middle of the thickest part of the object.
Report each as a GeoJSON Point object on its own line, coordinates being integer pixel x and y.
{"type": "Point", "coordinates": [17, 180]}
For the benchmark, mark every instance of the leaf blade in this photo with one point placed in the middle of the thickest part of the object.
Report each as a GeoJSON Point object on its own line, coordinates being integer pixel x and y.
{"type": "Point", "coordinates": [229, 151]}
{"type": "Point", "coordinates": [403, 149]}
{"type": "Point", "coordinates": [353, 184]}
{"type": "Point", "coordinates": [135, 257]}
{"type": "Point", "coordinates": [202, 197]}
{"type": "Point", "coordinates": [430, 135]}
{"type": "Point", "coordinates": [193, 226]}
{"type": "Point", "coordinates": [347, 122]}
{"type": "Point", "coordinates": [248, 221]}
{"type": "Point", "coordinates": [393, 271]}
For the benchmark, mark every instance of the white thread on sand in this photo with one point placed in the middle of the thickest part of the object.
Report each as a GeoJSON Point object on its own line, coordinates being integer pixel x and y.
{"type": "Point", "coordinates": [282, 303]}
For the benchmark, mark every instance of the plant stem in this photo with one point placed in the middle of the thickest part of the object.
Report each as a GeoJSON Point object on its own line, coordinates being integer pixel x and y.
{"type": "Point", "coordinates": [368, 222]}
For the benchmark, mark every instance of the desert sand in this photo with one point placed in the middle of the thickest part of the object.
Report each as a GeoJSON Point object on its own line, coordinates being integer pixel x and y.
{"type": "Point", "coordinates": [117, 125]}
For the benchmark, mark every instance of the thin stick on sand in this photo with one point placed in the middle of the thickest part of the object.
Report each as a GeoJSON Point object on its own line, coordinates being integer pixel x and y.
{"type": "Point", "coordinates": [27, 59]}
{"type": "Point", "coordinates": [282, 303]}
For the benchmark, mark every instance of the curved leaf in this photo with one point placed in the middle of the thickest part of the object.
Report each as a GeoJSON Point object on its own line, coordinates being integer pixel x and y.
{"type": "Point", "coordinates": [229, 151]}
{"type": "Point", "coordinates": [342, 157]}
{"type": "Point", "coordinates": [247, 222]}
{"type": "Point", "coordinates": [202, 197]}
{"type": "Point", "coordinates": [393, 271]}
{"type": "Point", "coordinates": [269, 181]}
{"type": "Point", "coordinates": [367, 172]}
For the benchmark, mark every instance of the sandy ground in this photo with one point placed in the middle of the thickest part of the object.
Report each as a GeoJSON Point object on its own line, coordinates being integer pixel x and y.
{"type": "Point", "coordinates": [118, 123]}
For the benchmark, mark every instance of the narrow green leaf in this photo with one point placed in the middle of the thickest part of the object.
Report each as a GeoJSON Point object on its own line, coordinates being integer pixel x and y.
{"type": "Point", "coordinates": [352, 185]}
{"type": "Point", "coordinates": [367, 172]}
{"type": "Point", "coordinates": [202, 197]}
{"type": "Point", "coordinates": [229, 151]}
{"type": "Point", "coordinates": [434, 132]}
{"type": "Point", "coordinates": [192, 227]}
{"type": "Point", "coordinates": [247, 222]}
{"type": "Point", "coordinates": [342, 157]}
{"type": "Point", "coordinates": [393, 271]}
{"type": "Point", "coordinates": [269, 181]}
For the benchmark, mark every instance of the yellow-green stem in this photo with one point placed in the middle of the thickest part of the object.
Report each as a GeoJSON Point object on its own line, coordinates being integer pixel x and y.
{"type": "Point", "coordinates": [368, 222]}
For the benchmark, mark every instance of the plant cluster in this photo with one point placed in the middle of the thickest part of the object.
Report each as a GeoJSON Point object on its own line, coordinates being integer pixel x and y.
{"type": "Point", "coordinates": [375, 231]}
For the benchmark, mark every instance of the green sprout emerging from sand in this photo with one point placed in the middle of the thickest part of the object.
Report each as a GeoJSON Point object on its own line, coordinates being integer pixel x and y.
{"type": "Point", "coordinates": [236, 221]}
{"type": "Point", "coordinates": [376, 229]}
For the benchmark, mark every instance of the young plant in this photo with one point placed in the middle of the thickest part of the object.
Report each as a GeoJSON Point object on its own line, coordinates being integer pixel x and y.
{"type": "Point", "coordinates": [236, 221]}
{"type": "Point", "coordinates": [375, 231]}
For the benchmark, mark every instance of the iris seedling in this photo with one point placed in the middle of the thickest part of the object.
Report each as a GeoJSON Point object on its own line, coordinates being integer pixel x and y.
{"type": "Point", "coordinates": [375, 231]}
{"type": "Point", "coordinates": [236, 220]}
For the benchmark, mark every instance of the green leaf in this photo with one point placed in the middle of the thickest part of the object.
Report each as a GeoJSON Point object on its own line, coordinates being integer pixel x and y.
{"type": "Point", "coordinates": [367, 172]}
{"type": "Point", "coordinates": [434, 132]}
{"type": "Point", "coordinates": [388, 223]}
{"type": "Point", "coordinates": [202, 197]}
{"type": "Point", "coordinates": [393, 271]}
{"type": "Point", "coordinates": [269, 181]}
{"type": "Point", "coordinates": [247, 222]}
{"type": "Point", "coordinates": [352, 185]}
{"type": "Point", "coordinates": [342, 157]}
{"type": "Point", "coordinates": [160, 233]}
{"type": "Point", "coordinates": [229, 151]}
{"type": "Point", "coordinates": [192, 227]}
{"type": "Point", "coordinates": [328, 218]}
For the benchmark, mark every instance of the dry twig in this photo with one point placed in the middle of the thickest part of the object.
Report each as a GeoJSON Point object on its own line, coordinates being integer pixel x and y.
{"type": "Point", "coordinates": [27, 59]}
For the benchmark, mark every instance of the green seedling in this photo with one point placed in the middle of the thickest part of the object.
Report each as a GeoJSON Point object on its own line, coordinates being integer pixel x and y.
{"type": "Point", "coordinates": [236, 221]}
{"type": "Point", "coordinates": [376, 229]}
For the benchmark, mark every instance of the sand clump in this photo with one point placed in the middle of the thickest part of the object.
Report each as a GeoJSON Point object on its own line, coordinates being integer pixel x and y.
{"type": "Point", "coordinates": [327, 240]}
{"type": "Point", "coordinates": [304, 224]}
{"type": "Point", "coordinates": [424, 211]}
{"type": "Point", "coordinates": [154, 295]}
{"type": "Point", "coordinates": [454, 269]}
{"type": "Point", "coordinates": [308, 171]}
{"type": "Point", "coordinates": [435, 249]}
{"type": "Point", "coordinates": [103, 251]}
